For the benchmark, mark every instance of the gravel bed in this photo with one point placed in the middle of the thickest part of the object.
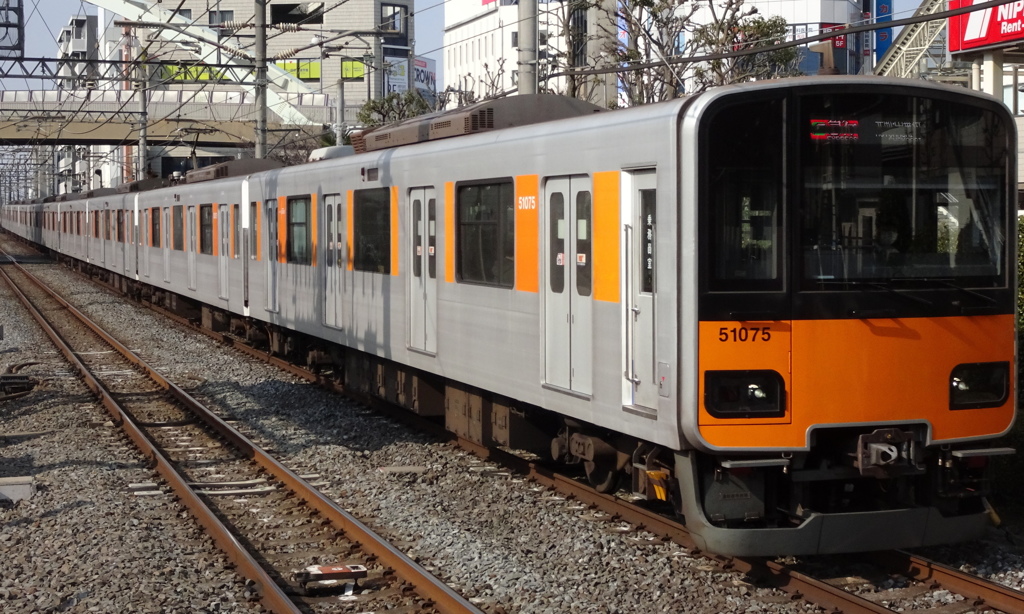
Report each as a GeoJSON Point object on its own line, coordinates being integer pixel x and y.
{"type": "Point", "coordinates": [84, 542]}
{"type": "Point", "coordinates": [508, 545]}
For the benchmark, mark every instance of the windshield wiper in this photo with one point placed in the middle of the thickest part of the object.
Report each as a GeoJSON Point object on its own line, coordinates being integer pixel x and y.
{"type": "Point", "coordinates": [951, 284]}
{"type": "Point", "coordinates": [879, 285]}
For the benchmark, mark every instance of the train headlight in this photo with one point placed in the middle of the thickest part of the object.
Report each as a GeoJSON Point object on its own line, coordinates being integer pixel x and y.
{"type": "Point", "coordinates": [744, 394]}
{"type": "Point", "coordinates": [979, 384]}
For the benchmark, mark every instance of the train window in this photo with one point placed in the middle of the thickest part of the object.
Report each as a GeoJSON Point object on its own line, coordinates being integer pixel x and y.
{"type": "Point", "coordinates": [432, 238]}
{"type": "Point", "coordinates": [485, 248]}
{"type": "Point", "coordinates": [556, 210]}
{"type": "Point", "coordinates": [120, 226]}
{"type": "Point", "coordinates": [236, 225]}
{"type": "Point", "coordinates": [745, 191]}
{"type": "Point", "coordinates": [106, 225]}
{"type": "Point", "coordinates": [921, 194]}
{"type": "Point", "coordinates": [254, 234]}
{"type": "Point", "coordinates": [648, 200]}
{"type": "Point", "coordinates": [154, 220]}
{"type": "Point", "coordinates": [299, 230]}
{"type": "Point", "coordinates": [583, 244]}
{"type": "Point", "coordinates": [178, 226]}
{"type": "Point", "coordinates": [417, 238]}
{"type": "Point", "coordinates": [206, 229]}
{"type": "Point", "coordinates": [371, 226]}
{"type": "Point", "coordinates": [330, 234]}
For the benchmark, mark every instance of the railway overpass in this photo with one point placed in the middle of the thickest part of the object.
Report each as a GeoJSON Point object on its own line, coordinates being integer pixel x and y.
{"type": "Point", "coordinates": [174, 117]}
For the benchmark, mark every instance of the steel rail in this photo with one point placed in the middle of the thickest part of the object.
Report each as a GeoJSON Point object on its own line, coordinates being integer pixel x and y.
{"type": "Point", "coordinates": [271, 594]}
{"type": "Point", "coordinates": [426, 584]}
{"type": "Point", "coordinates": [984, 592]}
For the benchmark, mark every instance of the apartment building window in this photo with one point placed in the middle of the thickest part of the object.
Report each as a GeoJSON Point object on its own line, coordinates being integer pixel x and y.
{"type": "Point", "coordinates": [219, 17]}
{"type": "Point", "coordinates": [392, 17]}
{"type": "Point", "coordinates": [303, 12]}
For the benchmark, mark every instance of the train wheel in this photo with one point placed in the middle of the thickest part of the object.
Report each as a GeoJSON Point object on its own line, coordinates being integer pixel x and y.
{"type": "Point", "coordinates": [603, 477]}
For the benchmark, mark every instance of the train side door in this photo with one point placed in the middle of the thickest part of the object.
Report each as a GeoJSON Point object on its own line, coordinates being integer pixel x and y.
{"type": "Point", "coordinates": [334, 259]}
{"type": "Point", "coordinates": [224, 251]}
{"type": "Point", "coordinates": [146, 242]}
{"type": "Point", "coordinates": [190, 247]}
{"type": "Point", "coordinates": [104, 228]}
{"type": "Point", "coordinates": [167, 244]}
{"type": "Point", "coordinates": [639, 245]}
{"type": "Point", "coordinates": [423, 281]}
{"type": "Point", "coordinates": [568, 330]}
{"type": "Point", "coordinates": [272, 253]}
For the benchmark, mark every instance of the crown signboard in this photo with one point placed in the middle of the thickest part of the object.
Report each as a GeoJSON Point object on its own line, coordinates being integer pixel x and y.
{"type": "Point", "coordinates": [992, 27]}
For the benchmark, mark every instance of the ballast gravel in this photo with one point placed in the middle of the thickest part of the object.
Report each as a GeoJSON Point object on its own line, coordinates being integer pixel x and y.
{"type": "Point", "coordinates": [84, 542]}
{"type": "Point", "coordinates": [505, 543]}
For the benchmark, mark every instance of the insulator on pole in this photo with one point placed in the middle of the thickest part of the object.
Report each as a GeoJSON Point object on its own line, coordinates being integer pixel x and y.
{"type": "Point", "coordinates": [286, 54]}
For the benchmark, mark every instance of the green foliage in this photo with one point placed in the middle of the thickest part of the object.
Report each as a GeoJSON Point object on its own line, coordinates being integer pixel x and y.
{"type": "Point", "coordinates": [392, 108]}
{"type": "Point", "coordinates": [1020, 277]}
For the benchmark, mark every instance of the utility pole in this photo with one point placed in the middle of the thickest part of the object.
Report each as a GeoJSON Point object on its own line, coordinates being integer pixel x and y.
{"type": "Point", "coordinates": [527, 46]}
{"type": "Point", "coordinates": [339, 128]}
{"type": "Point", "coordinates": [261, 78]}
{"type": "Point", "coordinates": [143, 120]}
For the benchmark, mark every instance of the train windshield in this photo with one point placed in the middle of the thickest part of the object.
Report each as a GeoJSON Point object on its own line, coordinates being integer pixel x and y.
{"type": "Point", "coordinates": [901, 190]}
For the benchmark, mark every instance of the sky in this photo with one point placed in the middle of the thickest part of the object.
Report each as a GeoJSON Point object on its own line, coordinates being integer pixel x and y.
{"type": "Point", "coordinates": [45, 18]}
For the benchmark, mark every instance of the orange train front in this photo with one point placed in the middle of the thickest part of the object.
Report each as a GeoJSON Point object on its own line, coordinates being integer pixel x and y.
{"type": "Point", "coordinates": [854, 343]}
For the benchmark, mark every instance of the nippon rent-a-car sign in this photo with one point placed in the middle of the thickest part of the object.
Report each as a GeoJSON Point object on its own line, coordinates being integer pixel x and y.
{"type": "Point", "coordinates": [991, 27]}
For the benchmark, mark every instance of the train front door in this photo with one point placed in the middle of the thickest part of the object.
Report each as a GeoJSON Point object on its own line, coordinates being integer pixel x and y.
{"type": "Point", "coordinates": [334, 259]}
{"type": "Point", "coordinates": [568, 288]}
{"type": "Point", "coordinates": [224, 250]}
{"type": "Point", "coordinates": [641, 386]}
{"type": "Point", "coordinates": [423, 280]}
{"type": "Point", "coordinates": [272, 253]}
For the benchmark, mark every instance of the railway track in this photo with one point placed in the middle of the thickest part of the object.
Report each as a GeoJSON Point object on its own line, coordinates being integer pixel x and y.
{"type": "Point", "coordinates": [815, 583]}
{"type": "Point", "coordinates": [301, 550]}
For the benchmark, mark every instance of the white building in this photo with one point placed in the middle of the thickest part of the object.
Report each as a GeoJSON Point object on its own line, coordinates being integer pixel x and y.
{"type": "Point", "coordinates": [481, 47]}
{"type": "Point", "coordinates": [481, 39]}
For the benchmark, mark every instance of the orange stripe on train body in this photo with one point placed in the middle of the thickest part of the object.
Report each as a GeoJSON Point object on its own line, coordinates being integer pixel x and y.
{"type": "Point", "coordinates": [527, 224]}
{"type": "Point", "coordinates": [859, 371]}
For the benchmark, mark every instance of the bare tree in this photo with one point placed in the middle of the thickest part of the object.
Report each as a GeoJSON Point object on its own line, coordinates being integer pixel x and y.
{"type": "Point", "coordinates": [741, 30]}
{"type": "Point", "coordinates": [661, 35]}
{"type": "Point", "coordinates": [581, 35]}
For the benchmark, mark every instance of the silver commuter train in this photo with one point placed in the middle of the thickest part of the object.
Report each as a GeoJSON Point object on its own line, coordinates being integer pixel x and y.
{"type": "Point", "coordinates": [785, 308]}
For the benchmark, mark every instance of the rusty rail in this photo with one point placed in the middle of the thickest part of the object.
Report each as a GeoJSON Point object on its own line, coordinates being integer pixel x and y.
{"type": "Point", "coordinates": [982, 591]}
{"type": "Point", "coordinates": [429, 587]}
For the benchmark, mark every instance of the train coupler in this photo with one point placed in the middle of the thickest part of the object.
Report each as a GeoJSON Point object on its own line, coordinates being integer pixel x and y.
{"type": "Point", "coordinates": [886, 453]}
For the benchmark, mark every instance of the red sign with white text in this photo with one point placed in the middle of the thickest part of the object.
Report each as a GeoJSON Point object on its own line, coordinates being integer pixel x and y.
{"type": "Point", "coordinates": [838, 42]}
{"type": "Point", "coordinates": [992, 27]}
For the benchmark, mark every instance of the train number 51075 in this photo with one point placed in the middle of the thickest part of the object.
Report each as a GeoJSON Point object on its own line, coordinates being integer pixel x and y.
{"type": "Point", "coordinates": [743, 333]}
